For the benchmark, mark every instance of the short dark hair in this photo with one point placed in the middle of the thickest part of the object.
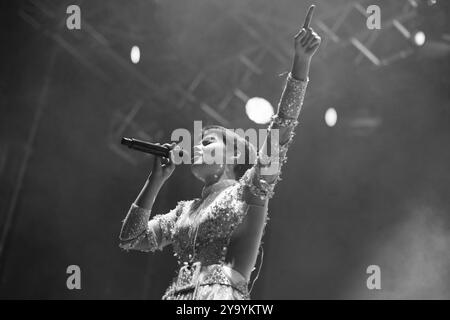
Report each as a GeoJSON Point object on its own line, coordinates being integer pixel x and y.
{"type": "Point", "coordinates": [250, 151]}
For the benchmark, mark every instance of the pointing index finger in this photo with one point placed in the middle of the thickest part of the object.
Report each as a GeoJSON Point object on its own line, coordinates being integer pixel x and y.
{"type": "Point", "coordinates": [309, 16]}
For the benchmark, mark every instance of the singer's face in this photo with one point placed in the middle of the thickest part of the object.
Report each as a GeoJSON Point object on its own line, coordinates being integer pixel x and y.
{"type": "Point", "coordinates": [209, 156]}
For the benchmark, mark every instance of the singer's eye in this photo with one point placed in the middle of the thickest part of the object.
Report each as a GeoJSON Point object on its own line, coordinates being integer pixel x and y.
{"type": "Point", "coordinates": [207, 141]}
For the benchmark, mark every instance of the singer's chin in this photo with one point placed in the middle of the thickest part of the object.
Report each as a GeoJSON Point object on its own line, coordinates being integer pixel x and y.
{"type": "Point", "coordinates": [198, 170]}
{"type": "Point", "coordinates": [197, 159]}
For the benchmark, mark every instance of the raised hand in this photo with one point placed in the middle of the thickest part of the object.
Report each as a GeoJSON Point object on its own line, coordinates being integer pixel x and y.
{"type": "Point", "coordinates": [307, 41]}
{"type": "Point", "coordinates": [163, 167]}
{"type": "Point", "coordinates": [306, 44]}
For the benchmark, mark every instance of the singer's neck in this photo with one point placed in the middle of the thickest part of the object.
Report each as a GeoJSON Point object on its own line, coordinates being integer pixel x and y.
{"type": "Point", "coordinates": [218, 184]}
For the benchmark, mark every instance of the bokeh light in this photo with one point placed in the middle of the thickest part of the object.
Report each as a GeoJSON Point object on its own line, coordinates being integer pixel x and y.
{"type": "Point", "coordinates": [135, 54]}
{"type": "Point", "coordinates": [259, 110]}
{"type": "Point", "coordinates": [419, 38]}
{"type": "Point", "coordinates": [331, 117]}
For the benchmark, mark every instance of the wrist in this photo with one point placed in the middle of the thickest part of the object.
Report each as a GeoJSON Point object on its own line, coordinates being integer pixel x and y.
{"type": "Point", "coordinates": [300, 67]}
{"type": "Point", "coordinates": [302, 58]}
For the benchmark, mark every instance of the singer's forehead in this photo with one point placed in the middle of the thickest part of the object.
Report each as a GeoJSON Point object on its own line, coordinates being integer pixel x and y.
{"type": "Point", "coordinates": [217, 132]}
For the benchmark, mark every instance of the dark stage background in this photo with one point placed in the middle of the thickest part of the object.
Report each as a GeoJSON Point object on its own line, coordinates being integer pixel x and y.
{"type": "Point", "coordinates": [372, 190]}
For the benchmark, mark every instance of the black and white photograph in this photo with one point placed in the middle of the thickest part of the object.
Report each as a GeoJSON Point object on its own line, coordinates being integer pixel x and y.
{"type": "Point", "coordinates": [254, 150]}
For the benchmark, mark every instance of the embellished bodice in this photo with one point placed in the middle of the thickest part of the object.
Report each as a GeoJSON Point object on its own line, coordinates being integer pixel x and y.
{"type": "Point", "coordinates": [204, 227]}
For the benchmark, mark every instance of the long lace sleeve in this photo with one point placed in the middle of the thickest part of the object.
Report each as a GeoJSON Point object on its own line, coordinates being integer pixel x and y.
{"type": "Point", "coordinates": [263, 177]}
{"type": "Point", "coordinates": [138, 233]}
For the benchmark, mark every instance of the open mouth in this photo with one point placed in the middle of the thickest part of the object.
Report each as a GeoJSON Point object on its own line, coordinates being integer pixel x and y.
{"type": "Point", "coordinates": [197, 157]}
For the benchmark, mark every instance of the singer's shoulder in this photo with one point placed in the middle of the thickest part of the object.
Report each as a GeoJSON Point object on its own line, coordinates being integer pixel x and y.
{"type": "Point", "coordinates": [184, 206]}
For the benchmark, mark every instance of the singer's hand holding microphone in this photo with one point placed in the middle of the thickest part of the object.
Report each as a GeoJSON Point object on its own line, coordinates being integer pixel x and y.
{"type": "Point", "coordinates": [164, 156]}
{"type": "Point", "coordinates": [163, 167]}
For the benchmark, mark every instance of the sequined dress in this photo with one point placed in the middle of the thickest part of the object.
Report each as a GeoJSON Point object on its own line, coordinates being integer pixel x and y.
{"type": "Point", "coordinates": [216, 238]}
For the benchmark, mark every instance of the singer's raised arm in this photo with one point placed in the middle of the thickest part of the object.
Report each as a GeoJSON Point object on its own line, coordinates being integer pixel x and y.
{"type": "Point", "coordinates": [262, 178]}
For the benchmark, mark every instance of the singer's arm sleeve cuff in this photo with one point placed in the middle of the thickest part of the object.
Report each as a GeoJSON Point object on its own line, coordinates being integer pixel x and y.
{"type": "Point", "coordinates": [138, 233]}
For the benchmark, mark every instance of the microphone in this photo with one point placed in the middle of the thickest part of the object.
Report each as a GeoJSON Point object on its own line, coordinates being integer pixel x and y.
{"type": "Point", "coordinates": [147, 147]}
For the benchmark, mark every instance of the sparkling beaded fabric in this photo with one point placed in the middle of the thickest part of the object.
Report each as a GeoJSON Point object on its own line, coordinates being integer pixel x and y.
{"type": "Point", "coordinates": [263, 186]}
{"type": "Point", "coordinates": [135, 231]}
{"type": "Point", "coordinates": [201, 237]}
{"type": "Point", "coordinates": [292, 98]}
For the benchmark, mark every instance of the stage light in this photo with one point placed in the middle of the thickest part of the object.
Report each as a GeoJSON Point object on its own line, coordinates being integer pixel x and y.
{"type": "Point", "coordinates": [331, 117]}
{"type": "Point", "coordinates": [135, 54]}
{"type": "Point", "coordinates": [259, 110]}
{"type": "Point", "coordinates": [419, 38]}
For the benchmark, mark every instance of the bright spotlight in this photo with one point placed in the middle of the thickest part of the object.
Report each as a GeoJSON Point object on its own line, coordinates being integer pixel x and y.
{"type": "Point", "coordinates": [135, 54]}
{"type": "Point", "coordinates": [419, 38]}
{"type": "Point", "coordinates": [259, 110]}
{"type": "Point", "coordinates": [331, 117]}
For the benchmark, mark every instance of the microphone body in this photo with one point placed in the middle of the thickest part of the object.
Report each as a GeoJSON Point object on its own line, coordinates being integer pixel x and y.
{"type": "Point", "coordinates": [146, 147]}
